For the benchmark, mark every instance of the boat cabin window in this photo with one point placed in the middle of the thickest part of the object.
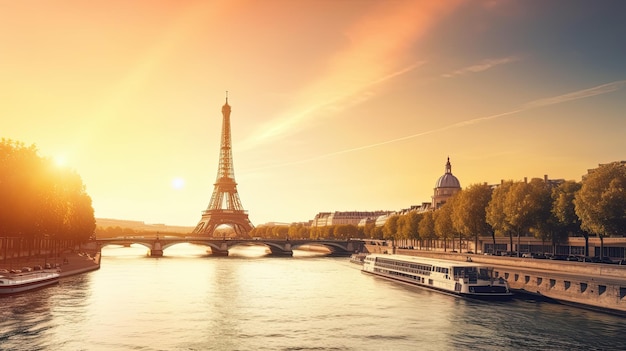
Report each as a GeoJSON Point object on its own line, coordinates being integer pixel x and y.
{"type": "Point", "coordinates": [443, 270]}
{"type": "Point", "coordinates": [472, 273]}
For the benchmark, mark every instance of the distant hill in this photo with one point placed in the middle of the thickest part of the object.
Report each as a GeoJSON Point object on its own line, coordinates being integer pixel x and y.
{"type": "Point", "coordinates": [141, 226]}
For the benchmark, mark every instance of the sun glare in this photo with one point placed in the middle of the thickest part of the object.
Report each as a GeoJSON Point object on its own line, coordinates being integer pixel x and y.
{"type": "Point", "coordinates": [178, 183]}
{"type": "Point", "coordinates": [60, 160]}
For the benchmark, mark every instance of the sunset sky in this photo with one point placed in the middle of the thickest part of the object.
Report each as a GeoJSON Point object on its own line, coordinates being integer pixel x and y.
{"type": "Point", "coordinates": [337, 105]}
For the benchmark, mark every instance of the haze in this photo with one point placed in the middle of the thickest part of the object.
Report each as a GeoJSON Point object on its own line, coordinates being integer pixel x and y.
{"type": "Point", "coordinates": [336, 105]}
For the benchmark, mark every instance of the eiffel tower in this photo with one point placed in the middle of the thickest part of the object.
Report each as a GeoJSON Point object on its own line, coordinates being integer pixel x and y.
{"type": "Point", "coordinates": [225, 207]}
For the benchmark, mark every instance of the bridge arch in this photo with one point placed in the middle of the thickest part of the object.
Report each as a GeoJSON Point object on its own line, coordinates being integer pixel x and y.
{"type": "Point", "coordinates": [146, 244]}
{"type": "Point", "coordinates": [220, 247]}
{"type": "Point", "coordinates": [334, 249]}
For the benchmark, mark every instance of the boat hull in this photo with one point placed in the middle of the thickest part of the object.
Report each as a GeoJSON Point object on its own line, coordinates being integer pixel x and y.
{"type": "Point", "coordinates": [490, 297]}
{"type": "Point", "coordinates": [20, 287]}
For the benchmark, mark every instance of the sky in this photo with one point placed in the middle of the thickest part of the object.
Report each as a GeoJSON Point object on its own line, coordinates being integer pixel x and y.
{"type": "Point", "coordinates": [337, 105]}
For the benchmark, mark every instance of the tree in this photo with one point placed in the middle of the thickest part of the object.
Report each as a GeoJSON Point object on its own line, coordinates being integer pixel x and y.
{"type": "Point", "coordinates": [564, 212]}
{"type": "Point", "coordinates": [544, 224]}
{"type": "Point", "coordinates": [403, 227]}
{"type": "Point", "coordinates": [495, 214]}
{"type": "Point", "coordinates": [280, 232]}
{"type": "Point", "coordinates": [390, 228]}
{"type": "Point", "coordinates": [345, 231]}
{"type": "Point", "coordinates": [522, 207]}
{"type": "Point", "coordinates": [426, 227]}
{"type": "Point", "coordinates": [40, 200]}
{"type": "Point", "coordinates": [412, 227]}
{"type": "Point", "coordinates": [298, 230]}
{"type": "Point", "coordinates": [293, 230]}
{"type": "Point", "coordinates": [601, 202]}
{"type": "Point", "coordinates": [454, 208]}
{"type": "Point", "coordinates": [377, 232]}
{"type": "Point", "coordinates": [443, 224]}
{"type": "Point", "coordinates": [369, 230]}
{"type": "Point", "coordinates": [471, 214]}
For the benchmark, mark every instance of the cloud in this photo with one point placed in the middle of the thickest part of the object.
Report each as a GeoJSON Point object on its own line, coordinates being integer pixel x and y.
{"type": "Point", "coordinates": [482, 66]}
{"type": "Point", "coordinates": [580, 94]}
{"type": "Point", "coordinates": [376, 51]}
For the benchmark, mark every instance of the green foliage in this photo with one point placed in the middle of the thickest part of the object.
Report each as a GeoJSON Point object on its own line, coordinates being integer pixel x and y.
{"type": "Point", "coordinates": [472, 204]}
{"type": "Point", "coordinates": [470, 215]}
{"type": "Point", "coordinates": [543, 224]}
{"type": "Point", "coordinates": [495, 214]}
{"type": "Point", "coordinates": [519, 208]}
{"type": "Point", "coordinates": [345, 231]}
{"type": "Point", "coordinates": [39, 199]}
{"type": "Point", "coordinates": [563, 205]}
{"type": "Point", "coordinates": [301, 231]}
{"type": "Point", "coordinates": [298, 230]}
{"type": "Point", "coordinates": [536, 207]}
{"type": "Point", "coordinates": [390, 228]}
{"type": "Point", "coordinates": [369, 230]}
{"type": "Point", "coordinates": [601, 202]}
{"type": "Point", "coordinates": [412, 225]}
{"type": "Point", "coordinates": [443, 227]}
{"type": "Point", "coordinates": [426, 227]}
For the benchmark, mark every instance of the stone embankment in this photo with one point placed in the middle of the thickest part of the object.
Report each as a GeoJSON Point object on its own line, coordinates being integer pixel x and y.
{"type": "Point", "coordinates": [69, 263]}
{"type": "Point", "coordinates": [589, 285]}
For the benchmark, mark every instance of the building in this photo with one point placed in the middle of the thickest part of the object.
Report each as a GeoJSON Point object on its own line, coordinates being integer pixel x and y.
{"type": "Point", "coordinates": [323, 219]}
{"type": "Point", "coordinates": [446, 186]}
{"type": "Point", "coordinates": [365, 221]}
{"type": "Point", "coordinates": [589, 171]}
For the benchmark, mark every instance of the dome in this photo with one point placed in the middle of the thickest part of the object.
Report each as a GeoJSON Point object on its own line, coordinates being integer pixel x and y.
{"type": "Point", "coordinates": [448, 180]}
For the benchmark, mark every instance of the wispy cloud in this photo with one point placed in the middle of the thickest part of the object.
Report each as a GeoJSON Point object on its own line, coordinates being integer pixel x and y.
{"type": "Point", "coordinates": [482, 66]}
{"type": "Point", "coordinates": [295, 119]}
{"type": "Point", "coordinates": [580, 94]}
{"type": "Point", "coordinates": [375, 53]}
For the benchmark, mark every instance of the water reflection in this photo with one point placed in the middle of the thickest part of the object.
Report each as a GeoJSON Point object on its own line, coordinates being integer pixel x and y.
{"type": "Point", "coordinates": [190, 300]}
{"type": "Point", "coordinates": [26, 316]}
{"type": "Point", "coordinates": [195, 250]}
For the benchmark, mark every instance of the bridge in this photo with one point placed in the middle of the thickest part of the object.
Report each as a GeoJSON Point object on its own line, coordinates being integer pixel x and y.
{"type": "Point", "coordinates": [219, 247]}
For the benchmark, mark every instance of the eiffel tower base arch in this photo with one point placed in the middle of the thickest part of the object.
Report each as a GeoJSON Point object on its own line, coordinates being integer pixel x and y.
{"type": "Point", "coordinates": [212, 219]}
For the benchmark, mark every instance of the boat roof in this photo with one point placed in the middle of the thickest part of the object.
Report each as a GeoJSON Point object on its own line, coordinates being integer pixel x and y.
{"type": "Point", "coordinates": [431, 261]}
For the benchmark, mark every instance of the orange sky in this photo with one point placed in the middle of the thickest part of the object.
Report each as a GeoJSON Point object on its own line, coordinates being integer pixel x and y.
{"type": "Point", "coordinates": [336, 105]}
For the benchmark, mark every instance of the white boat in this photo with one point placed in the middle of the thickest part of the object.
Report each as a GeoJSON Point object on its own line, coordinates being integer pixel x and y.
{"type": "Point", "coordinates": [466, 279]}
{"type": "Point", "coordinates": [20, 282]}
{"type": "Point", "coordinates": [357, 258]}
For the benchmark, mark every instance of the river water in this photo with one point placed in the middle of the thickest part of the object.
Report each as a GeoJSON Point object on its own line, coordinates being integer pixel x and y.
{"type": "Point", "coordinates": [247, 301]}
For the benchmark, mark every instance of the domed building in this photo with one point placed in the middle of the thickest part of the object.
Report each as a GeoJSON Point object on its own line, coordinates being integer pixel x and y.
{"type": "Point", "coordinates": [446, 186]}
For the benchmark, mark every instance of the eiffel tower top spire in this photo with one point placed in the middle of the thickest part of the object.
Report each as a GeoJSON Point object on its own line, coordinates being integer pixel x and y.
{"type": "Point", "coordinates": [226, 107]}
{"type": "Point", "coordinates": [225, 169]}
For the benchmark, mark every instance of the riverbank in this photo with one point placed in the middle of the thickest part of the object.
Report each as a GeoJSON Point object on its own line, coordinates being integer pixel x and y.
{"type": "Point", "coordinates": [69, 263]}
{"type": "Point", "coordinates": [593, 286]}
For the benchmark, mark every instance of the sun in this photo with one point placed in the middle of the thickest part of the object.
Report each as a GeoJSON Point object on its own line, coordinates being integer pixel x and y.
{"type": "Point", "coordinates": [178, 183]}
{"type": "Point", "coordinates": [60, 160]}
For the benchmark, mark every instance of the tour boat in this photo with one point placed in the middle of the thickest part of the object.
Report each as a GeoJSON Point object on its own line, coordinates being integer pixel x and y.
{"type": "Point", "coordinates": [20, 282]}
{"type": "Point", "coordinates": [357, 258]}
{"type": "Point", "coordinates": [466, 279]}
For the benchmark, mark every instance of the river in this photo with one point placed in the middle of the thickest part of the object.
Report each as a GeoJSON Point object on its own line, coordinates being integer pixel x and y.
{"type": "Point", "coordinates": [188, 300]}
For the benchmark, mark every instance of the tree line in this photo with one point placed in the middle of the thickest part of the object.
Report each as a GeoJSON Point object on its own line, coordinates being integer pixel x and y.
{"type": "Point", "coordinates": [41, 202]}
{"type": "Point", "coordinates": [118, 231]}
{"type": "Point", "coordinates": [551, 212]}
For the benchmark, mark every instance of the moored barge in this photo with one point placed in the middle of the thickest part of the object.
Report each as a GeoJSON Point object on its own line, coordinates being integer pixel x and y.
{"type": "Point", "coordinates": [21, 282]}
{"type": "Point", "coordinates": [465, 279]}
